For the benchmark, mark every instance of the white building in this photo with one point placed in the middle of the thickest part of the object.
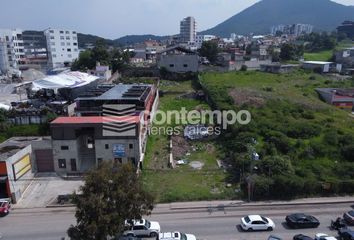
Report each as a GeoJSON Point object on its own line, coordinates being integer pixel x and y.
{"type": "Point", "coordinates": [203, 38]}
{"type": "Point", "coordinates": [11, 49]}
{"type": "Point", "coordinates": [62, 47]}
{"type": "Point", "coordinates": [188, 30]}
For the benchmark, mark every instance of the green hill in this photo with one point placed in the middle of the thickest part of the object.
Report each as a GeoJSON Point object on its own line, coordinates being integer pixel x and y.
{"type": "Point", "coordinates": [259, 18]}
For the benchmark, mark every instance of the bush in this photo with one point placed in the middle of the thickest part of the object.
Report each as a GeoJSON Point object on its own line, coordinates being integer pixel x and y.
{"type": "Point", "coordinates": [244, 68]}
{"type": "Point", "coordinates": [348, 152]}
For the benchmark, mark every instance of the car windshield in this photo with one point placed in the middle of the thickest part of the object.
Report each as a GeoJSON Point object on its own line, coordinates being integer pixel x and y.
{"type": "Point", "coordinates": [247, 219]}
{"type": "Point", "coordinates": [183, 236]}
{"type": "Point", "coordinates": [264, 220]}
{"type": "Point", "coordinates": [147, 224]}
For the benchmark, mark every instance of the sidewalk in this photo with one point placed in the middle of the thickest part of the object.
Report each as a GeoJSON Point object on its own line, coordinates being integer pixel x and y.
{"type": "Point", "coordinates": [203, 205]}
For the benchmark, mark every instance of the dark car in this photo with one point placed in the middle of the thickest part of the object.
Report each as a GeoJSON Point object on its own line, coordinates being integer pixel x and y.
{"type": "Point", "coordinates": [346, 234]}
{"type": "Point", "coordinates": [272, 237]}
{"type": "Point", "coordinates": [300, 220]}
{"type": "Point", "coordinates": [302, 237]}
{"type": "Point", "coordinates": [349, 217]}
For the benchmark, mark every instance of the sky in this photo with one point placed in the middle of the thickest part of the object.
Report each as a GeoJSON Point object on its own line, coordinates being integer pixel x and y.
{"type": "Point", "coordinates": [115, 18]}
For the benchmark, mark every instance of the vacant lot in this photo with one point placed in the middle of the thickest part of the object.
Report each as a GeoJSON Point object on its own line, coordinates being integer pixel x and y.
{"type": "Point", "coordinates": [184, 183]}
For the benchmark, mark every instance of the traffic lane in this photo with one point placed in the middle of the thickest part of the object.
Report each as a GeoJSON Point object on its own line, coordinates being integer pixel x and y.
{"type": "Point", "coordinates": [224, 225]}
{"type": "Point", "coordinates": [37, 226]}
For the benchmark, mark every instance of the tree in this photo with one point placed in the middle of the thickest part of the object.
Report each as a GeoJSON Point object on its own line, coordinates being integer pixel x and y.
{"type": "Point", "coordinates": [291, 52]}
{"type": "Point", "coordinates": [209, 50]}
{"type": "Point", "coordinates": [111, 194]}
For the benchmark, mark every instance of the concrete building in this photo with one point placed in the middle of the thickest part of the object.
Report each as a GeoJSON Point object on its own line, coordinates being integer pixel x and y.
{"type": "Point", "coordinates": [62, 46]}
{"type": "Point", "coordinates": [323, 67]}
{"type": "Point", "coordinates": [15, 167]}
{"type": "Point", "coordinates": [341, 98]}
{"type": "Point", "coordinates": [11, 49]}
{"type": "Point", "coordinates": [178, 60]}
{"type": "Point", "coordinates": [35, 47]}
{"type": "Point", "coordinates": [347, 28]}
{"type": "Point", "coordinates": [278, 67]}
{"type": "Point", "coordinates": [111, 127]}
{"type": "Point", "coordinates": [292, 29]}
{"type": "Point", "coordinates": [188, 30]}
{"type": "Point", "coordinates": [346, 58]}
{"type": "Point", "coordinates": [203, 38]}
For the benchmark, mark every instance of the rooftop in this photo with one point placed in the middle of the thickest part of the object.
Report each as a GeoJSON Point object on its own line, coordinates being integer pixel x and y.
{"type": "Point", "coordinates": [95, 119]}
{"type": "Point", "coordinates": [317, 62]}
{"type": "Point", "coordinates": [123, 91]}
{"type": "Point", "coordinates": [13, 145]}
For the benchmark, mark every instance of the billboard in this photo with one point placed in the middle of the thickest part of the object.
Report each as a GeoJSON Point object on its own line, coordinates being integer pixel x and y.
{"type": "Point", "coordinates": [21, 167]}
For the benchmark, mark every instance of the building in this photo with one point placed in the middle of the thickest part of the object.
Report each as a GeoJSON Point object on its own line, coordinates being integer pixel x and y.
{"type": "Point", "coordinates": [203, 38]}
{"type": "Point", "coordinates": [178, 60]}
{"type": "Point", "coordinates": [322, 67]}
{"type": "Point", "coordinates": [347, 28]}
{"type": "Point", "coordinates": [15, 167]}
{"type": "Point", "coordinates": [188, 30]}
{"type": "Point", "coordinates": [62, 46]}
{"type": "Point", "coordinates": [346, 58]}
{"type": "Point", "coordinates": [35, 47]}
{"type": "Point", "coordinates": [278, 67]}
{"type": "Point", "coordinates": [292, 29]}
{"type": "Point", "coordinates": [103, 72]}
{"type": "Point", "coordinates": [11, 49]}
{"type": "Point", "coordinates": [341, 98]}
{"type": "Point", "coordinates": [110, 127]}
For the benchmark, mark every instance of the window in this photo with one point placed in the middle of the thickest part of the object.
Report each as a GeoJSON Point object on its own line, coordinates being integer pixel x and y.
{"type": "Point", "coordinates": [67, 44]}
{"type": "Point", "coordinates": [75, 44]}
{"type": "Point", "coordinates": [131, 146]}
{"type": "Point", "coordinates": [52, 43]}
{"type": "Point", "coordinates": [106, 146]}
{"type": "Point", "coordinates": [54, 55]}
{"type": "Point", "coordinates": [74, 32]}
{"type": "Point", "coordinates": [64, 147]}
{"type": "Point", "coordinates": [185, 65]}
{"type": "Point", "coordinates": [70, 56]}
{"type": "Point", "coordinates": [53, 49]}
{"type": "Point", "coordinates": [133, 160]}
{"type": "Point", "coordinates": [172, 65]}
{"type": "Point", "coordinates": [67, 38]}
{"type": "Point", "coordinates": [67, 32]}
{"type": "Point", "coordinates": [139, 228]}
{"type": "Point", "coordinates": [52, 37]}
{"type": "Point", "coordinates": [62, 163]}
{"type": "Point", "coordinates": [75, 49]}
{"type": "Point", "coordinates": [51, 31]}
{"type": "Point", "coordinates": [99, 160]}
{"type": "Point", "coordinates": [62, 32]}
{"type": "Point", "coordinates": [69, 49]}
{"type": "Point", "coordinates": [62, 43]}
{"type": "Point", "coordinates": [62, 38]}
{"type": "Point", "coordinates": [75, 38]}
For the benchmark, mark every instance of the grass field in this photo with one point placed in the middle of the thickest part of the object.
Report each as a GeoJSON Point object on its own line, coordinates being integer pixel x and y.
{"type": "Point", "coordinates": [327, 54]}
{"type": "Point", "coordinates": [182, 183]}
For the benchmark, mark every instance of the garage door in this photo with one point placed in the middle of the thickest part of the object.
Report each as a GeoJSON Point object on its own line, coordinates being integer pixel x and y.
{"type": "Point", "coordinates": [44, 159]}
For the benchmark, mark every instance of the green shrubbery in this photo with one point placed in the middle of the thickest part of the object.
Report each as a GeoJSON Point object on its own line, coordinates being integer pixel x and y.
{"type": "Point", "coordinates": [306, 147]}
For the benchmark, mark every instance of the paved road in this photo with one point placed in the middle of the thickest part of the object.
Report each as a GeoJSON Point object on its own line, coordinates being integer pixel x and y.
{"type": "Point", "coordinates": [47, 224]}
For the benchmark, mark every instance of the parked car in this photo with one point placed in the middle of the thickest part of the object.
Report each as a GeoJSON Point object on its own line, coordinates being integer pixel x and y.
{"type": "Point", "coordinates": [5, 207]}
{"type": "Point", "coordinates": [300, 220]}
{"type": "Point", "coordinates": [323, 236]}
{"type": "Point", "coordinates": [256, 222]}
{"type": "Point", "coordinates": [176, 236]}
{"type": "Point", "coordinates": [302, 237]}
{"type": "Point", "coordinates": [346, 234]}
{"type": "Point", "coordinates": [349, 217]}
{"type": "Point", "coordinates": [271, 237]}
{"type": "Point", "coordinates": [142, 228]}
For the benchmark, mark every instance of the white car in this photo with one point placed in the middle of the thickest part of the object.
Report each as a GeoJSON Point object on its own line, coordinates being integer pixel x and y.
{"type": "Point", "coordinates": [142, 227]}
{"type": "Point", "coordinates": [176, 236]}
{"type": "Point", "coordinates": [323, 236]}
{"type": "Point", "coordinates": [256, 223]}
